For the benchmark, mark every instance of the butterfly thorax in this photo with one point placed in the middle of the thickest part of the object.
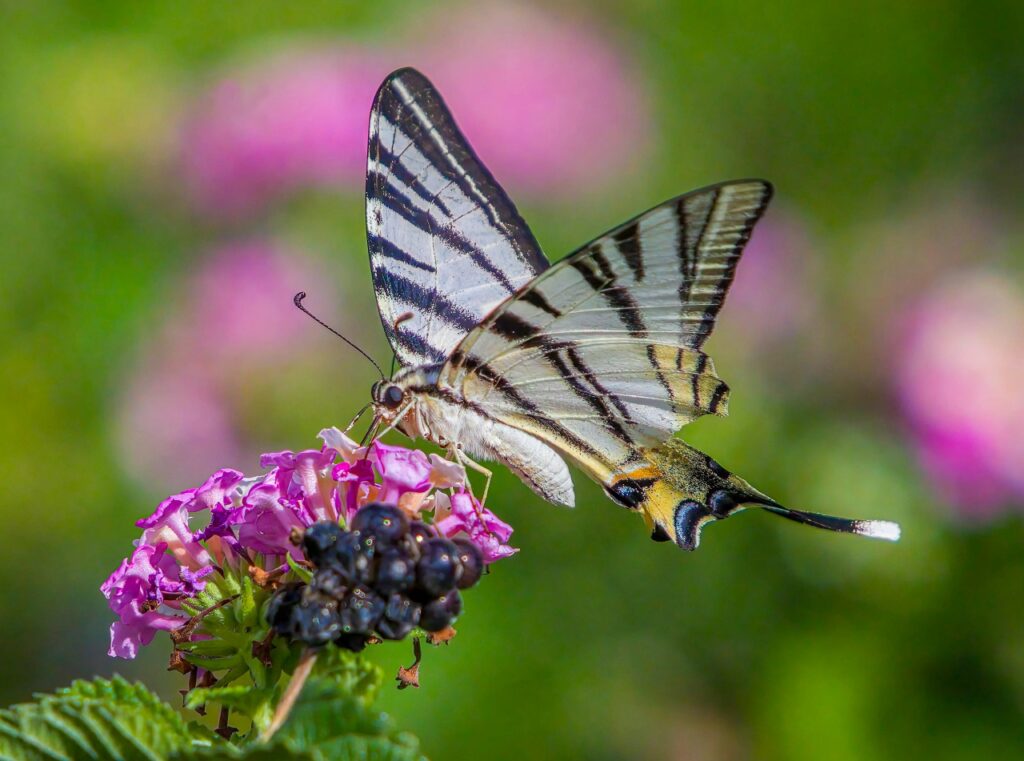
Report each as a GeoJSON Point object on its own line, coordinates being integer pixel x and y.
{"type": "Point", "coordinates": [414, 403]}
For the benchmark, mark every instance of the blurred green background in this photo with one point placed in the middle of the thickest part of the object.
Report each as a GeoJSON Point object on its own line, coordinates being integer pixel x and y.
{"type": "Point", "coordinates": [172, 172]}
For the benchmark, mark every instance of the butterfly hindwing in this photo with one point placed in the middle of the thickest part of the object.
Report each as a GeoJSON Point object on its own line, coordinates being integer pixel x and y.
{"type": "Point", "coordinates": [446, 243]}
{"type": "Point", "coordinates": [601, 354]}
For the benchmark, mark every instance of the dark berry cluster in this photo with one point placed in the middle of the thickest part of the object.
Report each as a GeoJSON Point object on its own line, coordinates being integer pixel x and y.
{"type": "Point", "coordinates": [383, 577]}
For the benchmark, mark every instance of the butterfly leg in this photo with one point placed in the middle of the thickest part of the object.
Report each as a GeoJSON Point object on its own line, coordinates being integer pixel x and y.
{"type": "Point", "coordinates": [355, 420]}
{"type": "Point", "coordinates": [395, 420]}
{"type": "Point", "coordinates": [463, 459]}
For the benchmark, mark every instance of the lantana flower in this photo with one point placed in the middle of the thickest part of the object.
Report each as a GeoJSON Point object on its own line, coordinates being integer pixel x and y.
{"type": "Point", "coordinates": [233, 537]}
{"type": "Point", "coordinates": [483, 527]}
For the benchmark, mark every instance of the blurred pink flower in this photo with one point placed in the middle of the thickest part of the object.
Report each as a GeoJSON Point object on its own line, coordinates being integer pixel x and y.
{"type": "Point", "coordinates": [232, 320]}
{"type": "Point", "coordinates": [959, 371]}
{"type": "Point", "coordinates": [549, 101]}
{"type": "Point", "coordinates": [293, 119]}
{"type": "Point", "coordinates": [774, 294]}
{"type": "Point", "coordinates": [915, 248]}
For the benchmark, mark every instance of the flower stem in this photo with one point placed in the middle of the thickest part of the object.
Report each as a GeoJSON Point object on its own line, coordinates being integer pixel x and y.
{"type": "Point", "coordinates": [291, 694]}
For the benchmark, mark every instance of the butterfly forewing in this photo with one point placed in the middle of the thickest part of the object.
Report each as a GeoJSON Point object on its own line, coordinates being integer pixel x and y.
{"type": "Point", "coordinates": [601, 353]}
{"type": "Point", "coordinates": [446, 244]}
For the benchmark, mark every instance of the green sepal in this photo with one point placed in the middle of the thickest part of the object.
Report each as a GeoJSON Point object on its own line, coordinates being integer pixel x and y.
{"type": "Point", "coordinates": [246, 608]}
{"type": "Point", "coordinates": [304, 574]}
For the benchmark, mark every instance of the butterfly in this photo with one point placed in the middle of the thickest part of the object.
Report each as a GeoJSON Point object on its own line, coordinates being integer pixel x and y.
{"type": "Point", "coordinates": [595, 360]}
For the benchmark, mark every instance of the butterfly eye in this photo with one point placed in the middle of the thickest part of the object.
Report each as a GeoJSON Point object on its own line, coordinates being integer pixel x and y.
{"type": "Point", "coordinates": [393, 397]}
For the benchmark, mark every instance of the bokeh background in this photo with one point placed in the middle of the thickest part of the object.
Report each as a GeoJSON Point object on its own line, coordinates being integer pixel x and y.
{"type": "Point", "coordinates": [173, 172]}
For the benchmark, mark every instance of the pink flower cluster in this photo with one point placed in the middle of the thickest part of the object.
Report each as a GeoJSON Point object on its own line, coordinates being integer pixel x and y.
{"type": "Point", "coordinates": [232, 523]}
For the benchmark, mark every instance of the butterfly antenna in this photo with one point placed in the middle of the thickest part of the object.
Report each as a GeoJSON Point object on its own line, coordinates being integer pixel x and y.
{"type": "Point", "coordinates": [298, 303]}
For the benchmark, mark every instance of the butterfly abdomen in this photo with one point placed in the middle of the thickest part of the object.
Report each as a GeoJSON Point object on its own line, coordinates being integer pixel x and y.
{"type": "Point", "coordinates": [679, 489]}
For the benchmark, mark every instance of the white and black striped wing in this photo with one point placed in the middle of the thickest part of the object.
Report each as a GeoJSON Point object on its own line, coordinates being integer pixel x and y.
{"type": "Point", "coordinates": [446, 244]}
{"type": "Point", "coordinates": [601, 353]}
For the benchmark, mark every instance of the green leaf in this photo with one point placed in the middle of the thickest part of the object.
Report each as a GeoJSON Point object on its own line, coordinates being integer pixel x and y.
{"type": "Point", "coordinates": [90, 720]}
{"type": "Point", "coordinates": [330, 723]}
{"type": "Point", "coordinates": [327, 723]}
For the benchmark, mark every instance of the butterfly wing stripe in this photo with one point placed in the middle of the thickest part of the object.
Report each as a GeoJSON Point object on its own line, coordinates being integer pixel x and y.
{"type": "Point", "coordinates": [425, 226]}
{"type": "Point", "coordinates": [415, 343]}
{"type": "Point", "coordinates": [412, 294]}
{"type": "Point", "coordinates": [446, 244]}
{"type": "Point", "coordinates": [596, 395]}
{"type": "Point", "coordinates": [628, 242]}
{"type": "Point", "coordinates": [523, 406]}
{"type": "Point", "coordinates": [390, 252]}
{"type": "Point", "coordinates": [729, 223]}
{"type": "Point", "coordinates": [623, 323]}
{"type": "Point", "coordinates": [390, 169]}
{"type": "Point", "coordinates": [620, 298]}
{"type": "Point", "coordinates": [437, 143]}
{"type": "Point", "coordinates": [449, 157]}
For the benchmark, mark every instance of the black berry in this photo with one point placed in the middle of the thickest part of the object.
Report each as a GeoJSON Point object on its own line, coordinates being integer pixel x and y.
{"type": "Point", "coordinates": [472, 561]}
{"type": "Point", "coordinates": [380, 525]}
{"type": "Point", "coordinates": [319, 539]}
{"type": "Point", "coordinates": [403, 610]}
{"type": "Point", "coordinates": [353, 642]}
{"type": "Point", "coordinates": [360, 611]}
{"type": "Point", "coordinates": [388, 629]}
{"type": "Point", "coordinates": [438, 569]}
{"type": "Point", "coordinates": [400, 617]}
{"type": "Point", "coordinates": [315, 619]}
{"type": "Point", "coordinates": [350, 559]}
{"type": "Point", "coordinates": [419, 532]}
{"type": "Point", "coordinates": [442, 612]}
{"type": "Point", "coordinates": [396, 572]}
{"type": "Point", "coordinates": [331, 582]}
{"type": "Point", "coordinates": [281, 605]}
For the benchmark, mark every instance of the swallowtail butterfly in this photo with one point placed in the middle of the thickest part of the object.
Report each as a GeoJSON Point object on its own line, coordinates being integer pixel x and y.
{"type": "Point", "coordinates": [594, 360]}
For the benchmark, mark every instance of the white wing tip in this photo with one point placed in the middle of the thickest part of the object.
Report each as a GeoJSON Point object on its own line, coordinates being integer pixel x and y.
{"type": "Point", "coordinates": [887, 530]}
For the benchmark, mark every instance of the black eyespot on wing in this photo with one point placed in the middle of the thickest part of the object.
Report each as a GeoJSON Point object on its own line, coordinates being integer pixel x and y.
{"type": "Point", "coordinates": [629, 492]}
{"type": "Point", "coordinates": [722, 503]}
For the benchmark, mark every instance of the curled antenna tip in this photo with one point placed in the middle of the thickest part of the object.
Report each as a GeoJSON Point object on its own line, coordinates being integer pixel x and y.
{"type": "Point", "coordinates": [297, 300]}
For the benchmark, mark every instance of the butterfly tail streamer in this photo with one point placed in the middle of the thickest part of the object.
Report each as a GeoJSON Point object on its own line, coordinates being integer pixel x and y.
{"type": "Point", "coordinates": [678, 490]}
{"type": "Point", "coordinates": [874, 529]}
